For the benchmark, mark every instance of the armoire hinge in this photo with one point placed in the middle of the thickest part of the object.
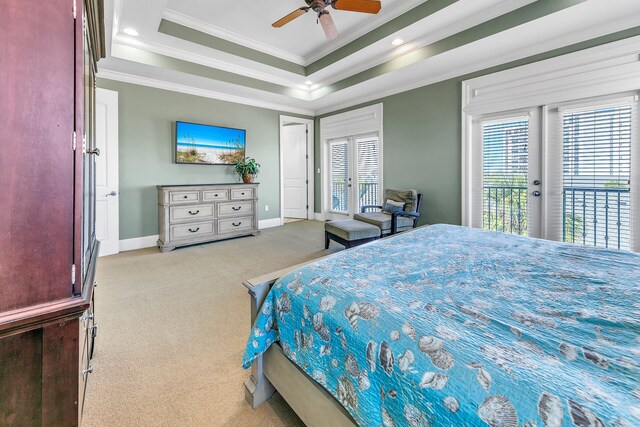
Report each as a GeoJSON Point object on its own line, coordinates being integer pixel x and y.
{"type": "Point", "coordinates": [75, 9]}
{"type": "Point", "coordinates": [73, 274]}
{"type": "Point", "coordinates": [74, 140]}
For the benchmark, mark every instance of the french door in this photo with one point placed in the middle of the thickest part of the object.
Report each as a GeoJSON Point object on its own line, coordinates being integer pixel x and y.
{"type": "Point", "coordinates": [562, 172]}
{"type": "Point", "coordinates": [355, 175]}
{"type": "Point", "coordinates": [509, 182]}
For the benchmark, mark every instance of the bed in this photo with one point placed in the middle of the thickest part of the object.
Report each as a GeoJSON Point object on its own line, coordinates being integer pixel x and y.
{"type": "Point", "coordinates": [448, 325]}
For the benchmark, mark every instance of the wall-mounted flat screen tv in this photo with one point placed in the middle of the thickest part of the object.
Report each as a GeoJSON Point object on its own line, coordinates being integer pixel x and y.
{"type": "Point", "coordinates": [209, 145]}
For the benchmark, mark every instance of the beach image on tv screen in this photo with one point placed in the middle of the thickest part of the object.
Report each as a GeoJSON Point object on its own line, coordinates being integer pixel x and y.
{"type": "Point", "coordinates": [202, 144]}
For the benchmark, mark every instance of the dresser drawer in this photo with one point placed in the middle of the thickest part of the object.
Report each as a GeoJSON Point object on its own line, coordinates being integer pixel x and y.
{"type": "Point", "coordinates": [241, 193]}
{"type": "Point", "coordinates": [195, 213]}
{"type": "Point", "coordinates": [186, 231]}
{"type": "Point", "coordinates": [235, 209]}
{"type": "Point", "coordinates": [235, 224]}
{"type": "Point", "coordinates": [184, 196]}
{"type": "Point", "coordinates": [215, 195]}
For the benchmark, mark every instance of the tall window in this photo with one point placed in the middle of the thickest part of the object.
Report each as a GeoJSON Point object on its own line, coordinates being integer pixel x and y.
{"type": "Point", "coordinates": [505, 155]}
{"type": "Point", "coordinates": [597, 176]}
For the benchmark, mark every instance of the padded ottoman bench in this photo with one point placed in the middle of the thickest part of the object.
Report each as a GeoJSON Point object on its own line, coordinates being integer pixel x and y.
{"type": "Point", "coordinates": [349, 232]}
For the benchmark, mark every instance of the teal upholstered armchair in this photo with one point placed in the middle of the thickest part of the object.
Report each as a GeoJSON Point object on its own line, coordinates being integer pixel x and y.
{"type": "Point", "coordinates": [400, 211]}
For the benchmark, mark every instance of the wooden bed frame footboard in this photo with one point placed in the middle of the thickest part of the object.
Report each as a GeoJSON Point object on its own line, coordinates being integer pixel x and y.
{"type": "Point", "coordinates": [273, 371]}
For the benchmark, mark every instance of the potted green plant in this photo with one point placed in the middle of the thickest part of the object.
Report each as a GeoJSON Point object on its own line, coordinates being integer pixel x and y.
{"type": "Point", "coordinates": [247, 168]}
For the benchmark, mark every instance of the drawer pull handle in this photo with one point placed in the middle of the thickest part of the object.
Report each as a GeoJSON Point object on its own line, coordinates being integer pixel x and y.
{"type": "Point", "coordinates": [186, 197]}
{"type": "Point", "coordinates": [236, 225]}
{"type": "Point", "coordinates": [236, 209]}
{"type": "Point", "coordinates": [194, 231]}
{"type": "Point", "coordinates": [194, 213]}
{"type": "Point", "coordinates": [243, 194]}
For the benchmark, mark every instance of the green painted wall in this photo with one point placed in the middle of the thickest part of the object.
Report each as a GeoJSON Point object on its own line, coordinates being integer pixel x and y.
{"type": "Point", "coordinates": [421, 148]}
{"type": "Point", "coordinates": [422, 137]}
{"type": "Point", "coordinates": [146, 150]}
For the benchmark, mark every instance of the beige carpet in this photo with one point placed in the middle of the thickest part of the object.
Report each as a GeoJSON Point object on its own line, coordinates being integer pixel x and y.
{"type": "Point", "coordinates": [172, 331]}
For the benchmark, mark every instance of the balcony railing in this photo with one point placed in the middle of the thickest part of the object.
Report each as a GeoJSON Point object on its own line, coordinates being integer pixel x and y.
{"type": "Point", "coordinates": [505, 209]}
{"type": "Point", "coordinates": [597, 217]}
{"type": "Point", "coordinates": [367, 195]}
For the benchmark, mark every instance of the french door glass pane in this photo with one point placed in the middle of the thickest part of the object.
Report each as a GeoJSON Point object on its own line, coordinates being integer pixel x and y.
{"type": "Point", "coordinates": [368, 171]}
{"type": "Point", "coordinates": [339, 157]}
{"type": "Point", "coordinates": [505, 171]}
{"type": "Point", "coordinates": [597, 177]}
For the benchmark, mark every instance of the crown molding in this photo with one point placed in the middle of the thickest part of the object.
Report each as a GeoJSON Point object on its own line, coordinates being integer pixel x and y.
{"type": "Point", "coordinates": [190, 90]}
{"type": "Point", "coordinates": [207, 61]}
{"type": "Point", "coordinates": [435, 34]}
{"type": "Point", "coordinates": [505, 58]}
{"type": "Point", "coordinates": [214, 30]}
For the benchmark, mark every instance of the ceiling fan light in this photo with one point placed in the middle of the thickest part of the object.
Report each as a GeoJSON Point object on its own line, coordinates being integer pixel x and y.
{"type": "Point", "coordinates": [131, 32]}
{"type": "Point", "coordinates": [397, 42]}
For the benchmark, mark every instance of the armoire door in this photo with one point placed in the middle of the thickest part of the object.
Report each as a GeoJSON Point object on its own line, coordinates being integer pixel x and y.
{"type": "Point", "coordinates": [37, 159]}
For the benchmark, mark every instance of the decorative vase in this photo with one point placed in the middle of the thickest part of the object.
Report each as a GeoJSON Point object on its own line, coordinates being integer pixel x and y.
{"type": "Point", "coordinates": [248, 178]}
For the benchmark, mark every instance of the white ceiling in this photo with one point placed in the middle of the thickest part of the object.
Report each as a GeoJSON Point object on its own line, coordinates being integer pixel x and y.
{"type": "Point", "coordinates": [241, 22]}
{"type": "Point", "coordinates": [252, 19]}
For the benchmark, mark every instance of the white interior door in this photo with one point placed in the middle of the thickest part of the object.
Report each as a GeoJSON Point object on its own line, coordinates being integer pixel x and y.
{"type": "Point", "coordinates": [294, 173]}
{"type": "Point", "coordinates": [107, 206]}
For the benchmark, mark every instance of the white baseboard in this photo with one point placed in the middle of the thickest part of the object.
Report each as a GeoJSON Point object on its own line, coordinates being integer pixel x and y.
{"type": "Point", "coordinates": [269, 223]}
{"type": "Point", "coordinates": [138, 243]}
{"type": "Point", "coordinates": [319, 216]}
{"type": "Point", "coordinates": [151, 241]}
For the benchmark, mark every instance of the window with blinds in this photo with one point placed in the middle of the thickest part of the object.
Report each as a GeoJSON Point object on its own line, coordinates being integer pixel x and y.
{"type": "Point", "coordinates": [339, 162]}
{"type": "Point", "coordinates": [368, 171]}
{"type": "Point", "coordinates": [505, 153]}
{"type": "Point", "coordinates": [597, 176]}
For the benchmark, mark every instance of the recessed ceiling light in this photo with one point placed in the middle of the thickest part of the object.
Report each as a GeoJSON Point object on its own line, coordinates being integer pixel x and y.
{"type": "Point", "coordinates": [308, 82]}
{"type": "Point", "coordinates": [397, 42]}
{"type": "Point", "coordinates": [131, 32]}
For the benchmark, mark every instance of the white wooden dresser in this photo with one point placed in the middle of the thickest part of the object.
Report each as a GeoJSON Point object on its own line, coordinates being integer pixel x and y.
{"type": "Point", "coordinates": [189, 214]}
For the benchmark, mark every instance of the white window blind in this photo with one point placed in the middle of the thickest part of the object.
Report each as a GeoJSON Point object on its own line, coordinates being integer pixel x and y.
{"type": "Point", "coordinates": [368, 155]}
{"type": "Point", "coordinates": [505, 154]}
{"type": "Point", "coordinates": [339, 163]}
{"type": "Point", "coordinates": [596, 170]}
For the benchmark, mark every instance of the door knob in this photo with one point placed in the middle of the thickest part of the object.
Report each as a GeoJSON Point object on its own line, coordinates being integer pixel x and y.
{"type": "Point", "coordinates": [113, 193]}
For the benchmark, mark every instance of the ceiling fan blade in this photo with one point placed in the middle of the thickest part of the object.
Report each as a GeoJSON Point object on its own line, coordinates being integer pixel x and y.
{"type": "Point", "coordinates": [290, 17]}
{"type": "Point", "coordinates": [364, 6]}
{"type": "Point", "coordinates": [328, 26]}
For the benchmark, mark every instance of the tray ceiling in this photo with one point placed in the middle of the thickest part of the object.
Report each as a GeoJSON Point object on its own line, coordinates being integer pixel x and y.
{"type": "Point", "coordinates": [228, 50]}
{"type": "Point", "coordinates": [251, 20]}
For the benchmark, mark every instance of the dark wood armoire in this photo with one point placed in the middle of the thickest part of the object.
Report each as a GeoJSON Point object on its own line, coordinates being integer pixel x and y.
{"type": "Point", "coordinates": [48, 250]}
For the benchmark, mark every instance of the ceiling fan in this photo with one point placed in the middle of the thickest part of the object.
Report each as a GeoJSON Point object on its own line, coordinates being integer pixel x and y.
{"type": "Point", "coordinates": [319, 6]}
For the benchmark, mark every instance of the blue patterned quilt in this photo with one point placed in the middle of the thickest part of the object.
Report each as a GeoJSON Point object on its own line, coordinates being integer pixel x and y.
{"type": "Point", "coordinates": [450, 326]}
